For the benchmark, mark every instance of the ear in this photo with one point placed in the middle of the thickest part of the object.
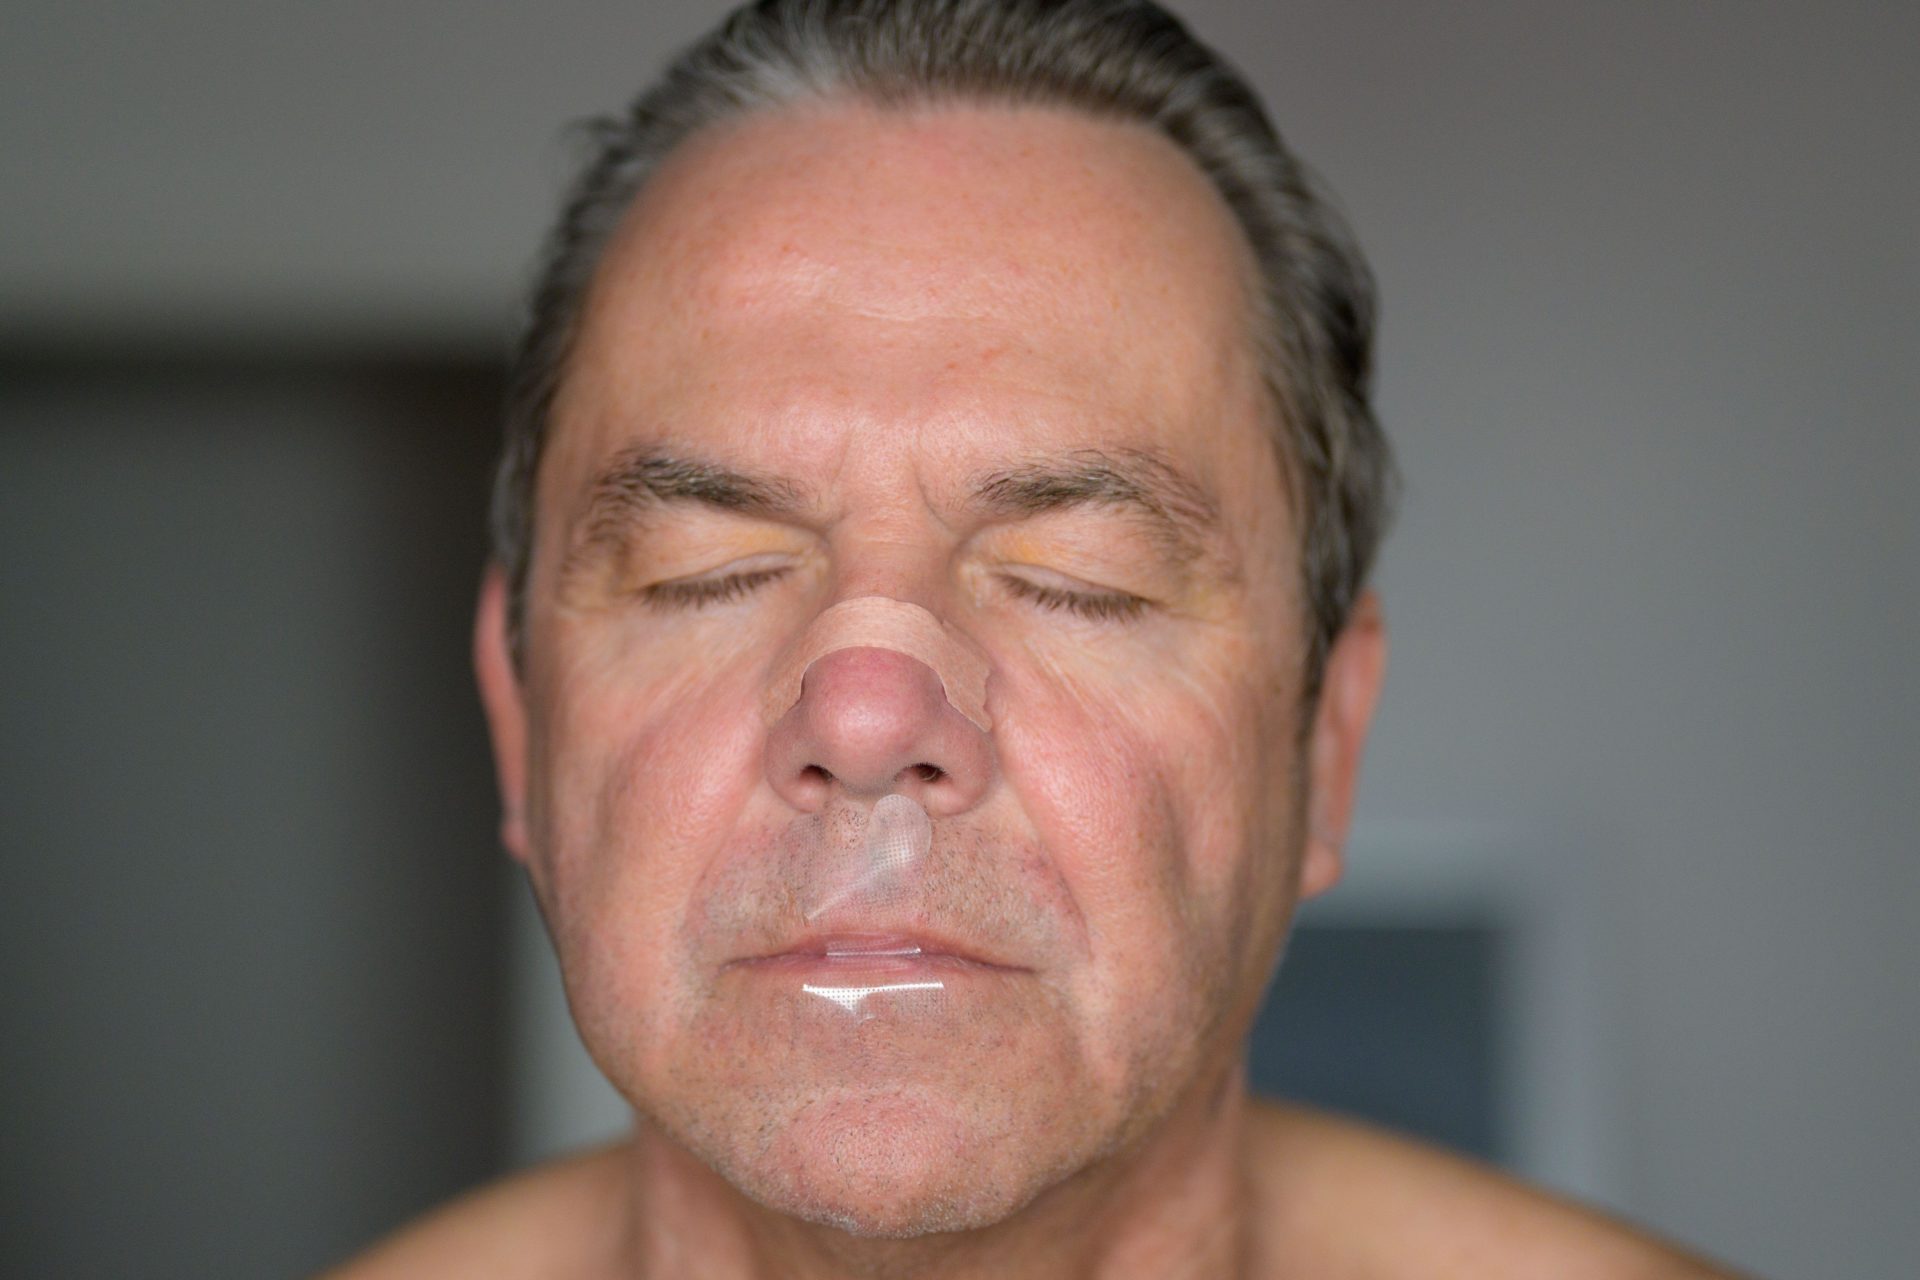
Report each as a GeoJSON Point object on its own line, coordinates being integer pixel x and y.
{"type": "Point", "coordinates": [506, 709]}
{"type": "Point", "coordinates": [1349, 688]}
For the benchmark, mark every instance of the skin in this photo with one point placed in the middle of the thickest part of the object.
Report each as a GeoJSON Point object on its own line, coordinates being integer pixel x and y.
{"type": "Point", "coordinates": [875, 315]}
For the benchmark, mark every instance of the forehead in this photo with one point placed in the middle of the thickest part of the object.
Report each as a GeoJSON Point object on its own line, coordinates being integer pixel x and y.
{"type": "Point", "coordinates": [1031, 277]}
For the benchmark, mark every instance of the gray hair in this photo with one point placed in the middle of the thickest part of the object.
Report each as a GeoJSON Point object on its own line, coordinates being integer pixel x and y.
{"type": "Point", "coordinates": [1125, 60]}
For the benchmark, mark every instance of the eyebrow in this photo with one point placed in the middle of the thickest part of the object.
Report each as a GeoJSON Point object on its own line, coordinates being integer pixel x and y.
{"type": "Point", "coordinates": [1182, 515]}
{"type": "Point", "coordinates": [638, 480]}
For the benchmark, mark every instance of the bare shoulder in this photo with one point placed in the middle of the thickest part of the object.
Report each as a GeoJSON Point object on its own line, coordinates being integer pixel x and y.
{"type": "Point", "coordinates": [552, 1220]}
{"type": "Point", "coordinates": [1341, 1198]}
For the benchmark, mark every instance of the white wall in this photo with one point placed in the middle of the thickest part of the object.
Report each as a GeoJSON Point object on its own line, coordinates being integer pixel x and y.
{"type": "Point", "coordinates": [1651, 278]}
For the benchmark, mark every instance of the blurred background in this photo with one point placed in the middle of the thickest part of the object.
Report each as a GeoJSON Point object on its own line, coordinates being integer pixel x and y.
{"type": "Point", "coordinates": [1632, 899]}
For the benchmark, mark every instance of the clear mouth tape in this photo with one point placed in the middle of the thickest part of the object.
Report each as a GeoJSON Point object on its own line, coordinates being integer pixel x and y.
{"type": "Point", "coordinates": [897, 839]}
{"type": "Point", "coordinates": [872, 881]}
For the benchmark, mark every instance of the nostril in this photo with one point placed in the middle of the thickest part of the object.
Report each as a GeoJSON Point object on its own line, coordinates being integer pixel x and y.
{"type": "Point", "coordinates": [927, 772]}
{"type": "Point", "coordinates": [814, 773]}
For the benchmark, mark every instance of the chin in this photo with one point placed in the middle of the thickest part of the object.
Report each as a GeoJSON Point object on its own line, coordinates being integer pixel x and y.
{"type": "Point", "coordinates": [893, 1166]}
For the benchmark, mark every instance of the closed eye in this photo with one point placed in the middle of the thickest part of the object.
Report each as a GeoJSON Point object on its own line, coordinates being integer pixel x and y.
{"type": "Point", "coordinates": [698, 593]}
{"type": "Point", "coordinates": [1099, 606]}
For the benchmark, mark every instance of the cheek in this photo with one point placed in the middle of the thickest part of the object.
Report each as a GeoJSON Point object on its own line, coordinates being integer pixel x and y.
{"type": "Point", "coordinates": [1158, 789]}
{"type": "Point", "coordinates": [1173, 751]}
{"type": "Point", "coordinates": [639, 773]}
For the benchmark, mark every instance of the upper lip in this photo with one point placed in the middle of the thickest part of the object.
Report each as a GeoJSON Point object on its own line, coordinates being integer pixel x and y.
{"type": "Point", "coordinates": [878, 942]}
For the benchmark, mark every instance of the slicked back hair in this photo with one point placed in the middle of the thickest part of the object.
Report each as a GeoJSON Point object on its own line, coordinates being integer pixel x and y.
{"type": "Point", "coordinates": [1122, 60]}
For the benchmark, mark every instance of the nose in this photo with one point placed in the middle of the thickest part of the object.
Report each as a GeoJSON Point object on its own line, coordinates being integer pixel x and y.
{"type": "Point", "coordinates": [871, 721]}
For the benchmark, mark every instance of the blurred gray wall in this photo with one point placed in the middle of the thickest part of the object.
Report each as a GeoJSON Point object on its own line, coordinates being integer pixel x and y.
{"type": "Point", "coordinates": [251, 913]}
{"type": "Point", "coordinates": [1650, 350]}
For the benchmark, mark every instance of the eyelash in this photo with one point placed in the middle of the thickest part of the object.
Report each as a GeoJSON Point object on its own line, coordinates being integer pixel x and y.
{"type": "Point", "coordinates": [1111, 607]}
{"type": "Point", "coordinates": [699, 593]}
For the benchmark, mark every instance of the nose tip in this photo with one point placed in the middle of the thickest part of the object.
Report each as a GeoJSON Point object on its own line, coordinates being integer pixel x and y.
{"type": "Point", "coordinates": [871, 721]}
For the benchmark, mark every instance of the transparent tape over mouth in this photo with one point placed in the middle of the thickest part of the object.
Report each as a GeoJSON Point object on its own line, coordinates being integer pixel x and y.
{"type": "Point", "coordinates": [873, 883]}
{"type": "Point", "coordinates": [856, 893]}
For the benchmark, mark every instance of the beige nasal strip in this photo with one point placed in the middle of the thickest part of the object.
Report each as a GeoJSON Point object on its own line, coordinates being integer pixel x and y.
{"type": "Point", "coordinates": [880, 622]}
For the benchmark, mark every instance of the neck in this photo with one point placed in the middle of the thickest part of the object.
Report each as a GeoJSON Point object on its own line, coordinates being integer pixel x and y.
{"type": "Point", "coordinates": [1172, 1205]}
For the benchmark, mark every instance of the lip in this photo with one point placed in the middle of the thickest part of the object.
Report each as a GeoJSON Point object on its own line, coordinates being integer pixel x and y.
{"type": "Point", "coordinates": [875, 951]}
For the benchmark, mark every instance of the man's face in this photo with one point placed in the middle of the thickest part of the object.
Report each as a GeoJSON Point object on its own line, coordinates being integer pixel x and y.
{"type": "Point", "coordinates": [997, 364]}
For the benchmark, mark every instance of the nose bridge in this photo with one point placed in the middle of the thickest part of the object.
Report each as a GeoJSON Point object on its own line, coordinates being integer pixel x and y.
{"type": "Point", "coordinates": [878, 695]}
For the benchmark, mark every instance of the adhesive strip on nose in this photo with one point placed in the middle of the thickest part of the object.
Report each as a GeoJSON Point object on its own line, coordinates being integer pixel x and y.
{"type": "Point", "coordinates": [879, 622]}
